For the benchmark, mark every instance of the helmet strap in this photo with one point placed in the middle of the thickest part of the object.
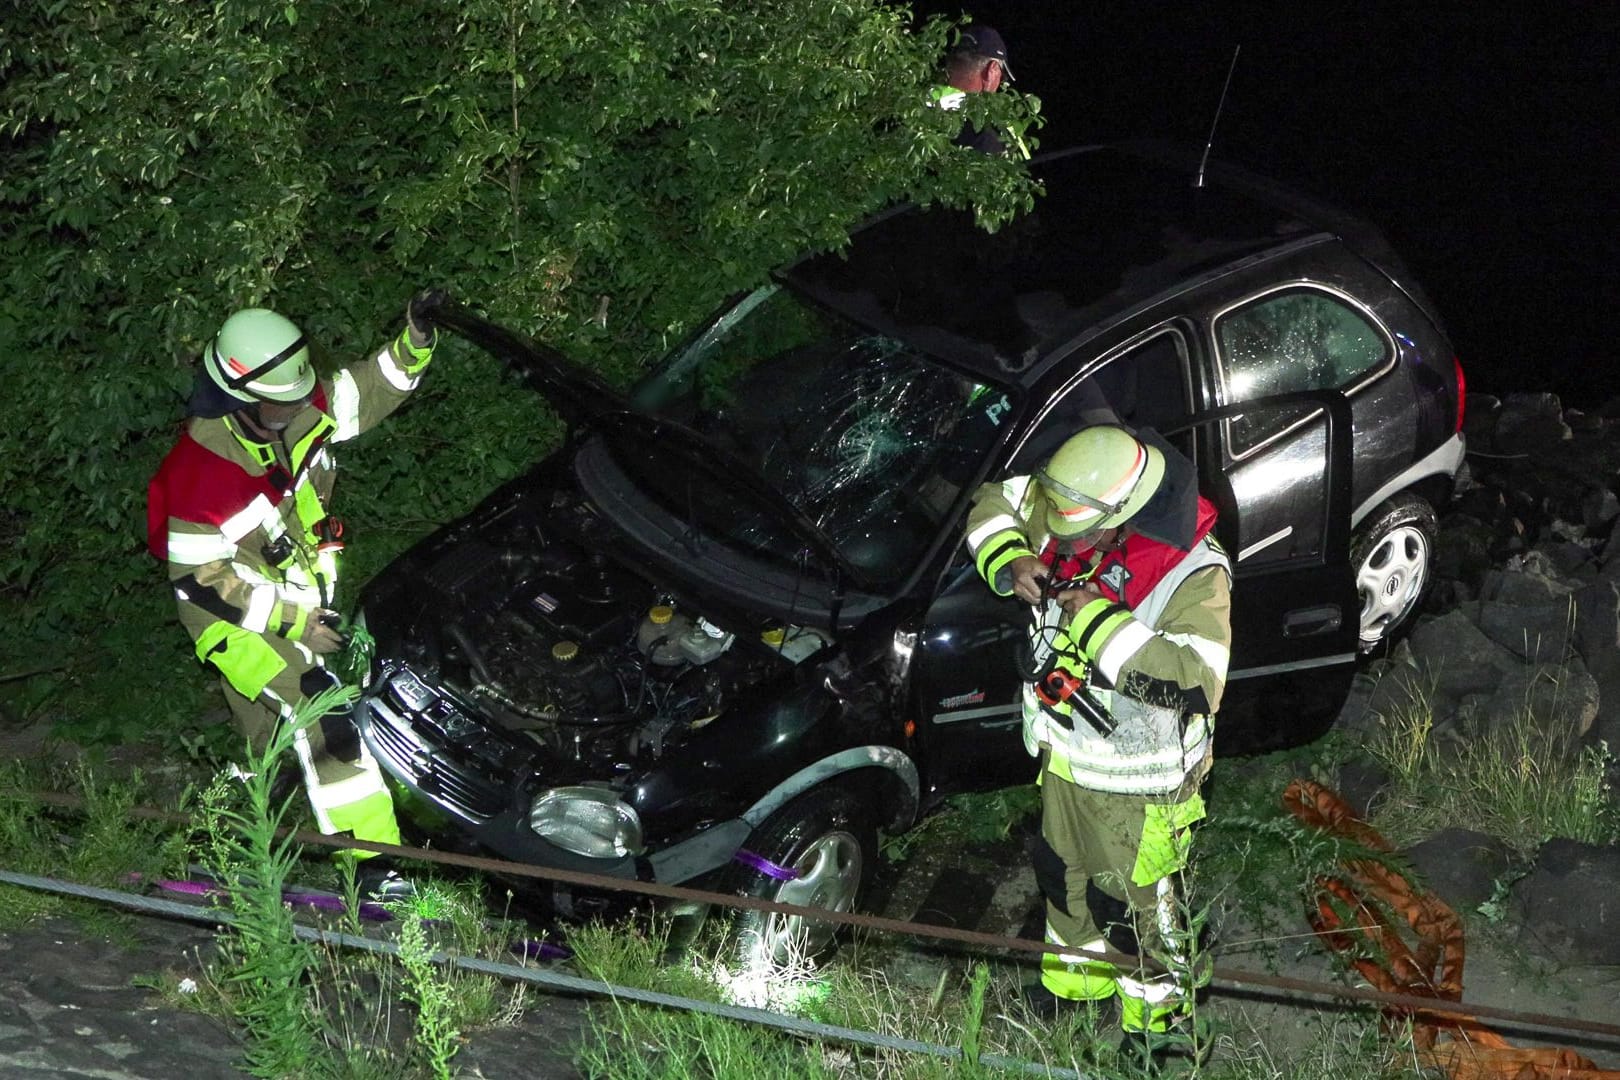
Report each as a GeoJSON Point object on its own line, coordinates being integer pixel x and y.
{"type": "Point", "coordinates": [237, 382]}
{"type": "Point", "coordinates": [253, 421]}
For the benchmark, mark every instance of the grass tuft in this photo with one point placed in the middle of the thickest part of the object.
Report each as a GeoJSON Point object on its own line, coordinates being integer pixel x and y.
{"type": "Point", "coordinates": [1524, 781]}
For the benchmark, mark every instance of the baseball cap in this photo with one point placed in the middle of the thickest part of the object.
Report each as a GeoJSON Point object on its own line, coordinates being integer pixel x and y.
{"type": "Point", "coordinates": [981, 40]}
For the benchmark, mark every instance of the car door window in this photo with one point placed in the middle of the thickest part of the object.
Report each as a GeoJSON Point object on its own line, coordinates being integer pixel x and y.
{"type": "Point", "coordinates": [1297, 339]}
{"type": "Point", "coordinates": [1145, 385]}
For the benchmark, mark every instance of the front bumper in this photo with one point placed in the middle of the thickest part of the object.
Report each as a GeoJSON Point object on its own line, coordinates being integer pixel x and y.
{"type": "Point", "coordinates": [485, 803]}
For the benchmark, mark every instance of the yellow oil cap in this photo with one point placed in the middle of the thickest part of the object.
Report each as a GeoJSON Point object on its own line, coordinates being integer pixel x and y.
{"type": "Point", "coordinates": [774, 637]}
{"type": "Point", "coordinates": [660, 615]}
{"type": "Point", "coordinates": [564, 651]}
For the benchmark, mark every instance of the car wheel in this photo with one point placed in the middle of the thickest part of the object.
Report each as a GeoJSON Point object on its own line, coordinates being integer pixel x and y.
{"type": "Point", "coordinates": [828, 839]}
{"type": "Point", "coordinates": [1393, 557]}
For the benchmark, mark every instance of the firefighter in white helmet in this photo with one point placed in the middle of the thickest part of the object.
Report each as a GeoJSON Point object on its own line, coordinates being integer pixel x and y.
{"type": "Point", "coordinates": [238, 512]}
{"type": "Point", "coordinates": [1111, 545]}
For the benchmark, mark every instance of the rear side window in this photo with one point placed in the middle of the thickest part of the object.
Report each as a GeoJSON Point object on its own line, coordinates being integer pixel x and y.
{"type": "Point", "coordinates": [1301, 339]}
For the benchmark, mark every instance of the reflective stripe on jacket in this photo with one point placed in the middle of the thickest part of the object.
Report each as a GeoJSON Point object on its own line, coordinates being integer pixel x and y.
{"type": "Point", "coordinates": [222, 501]}
{"type": "Point", "coordinates": [1159, 640]}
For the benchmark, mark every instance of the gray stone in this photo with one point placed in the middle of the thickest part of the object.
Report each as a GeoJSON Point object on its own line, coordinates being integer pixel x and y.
{"type": "Point", "coordinates": [1597, 640]}
{"type": "Point", "coordinates": [1571, 558]}
{"type": "Point", "coordinates": [1400, 690]}
{"type": "Point", "coordinates": [1461, 866]}
{"type": "Point", "coordinates": [1359, 783]}
{"type": "Point", "coordinates": [1560, 699]}
{"type": "Point", "coordinates": [1610, 556]}
{"type": "Point", "coordinates": [1463, 550]}
{"type": "Point", "coordinates": [1583, 423]}
{"type": "Point", "coordinates": [1599, 509]}
{"type": "Point", "coordinates": [1570, 903]}
{"type": "Point", "coordinates": [1472, 713]}
{"type": "Point", "coordinates": [1455, 657]}
{"type": "Point", "coordinates": [1526, 581]}
{"type": "Point", "coordinates": [1528, 422]}
{"type": "Point", "coordinates": [1540, 633]}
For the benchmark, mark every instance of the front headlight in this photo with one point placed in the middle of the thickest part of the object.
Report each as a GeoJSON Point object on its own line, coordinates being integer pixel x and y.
{"type": "Point", "coordinates": [587, 821]}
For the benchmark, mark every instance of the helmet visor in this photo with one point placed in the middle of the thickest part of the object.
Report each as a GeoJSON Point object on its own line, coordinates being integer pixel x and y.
{"type": "Point", "coordinates": [1072, 513]}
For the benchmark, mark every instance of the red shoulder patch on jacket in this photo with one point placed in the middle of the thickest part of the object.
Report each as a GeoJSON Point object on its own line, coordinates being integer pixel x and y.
{"type": "Point", "coordinates": [1147, 561]}
{"type": "Point", "coordinates": [1129, 574]}
{"type": "Point", "coordinates": [195, 484]}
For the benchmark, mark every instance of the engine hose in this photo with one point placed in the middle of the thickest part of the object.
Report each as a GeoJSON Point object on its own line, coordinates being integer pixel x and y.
{"type": "Point", "coordinates": [475, 659]}
{"type": "Point", "coordinates": [551, 717]}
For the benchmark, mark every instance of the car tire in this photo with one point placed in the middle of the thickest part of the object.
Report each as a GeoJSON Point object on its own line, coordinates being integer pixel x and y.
{"type": "Point", "coordinates": [1392, 555]}
{"type": "Point", "coordinates": [828, 836]}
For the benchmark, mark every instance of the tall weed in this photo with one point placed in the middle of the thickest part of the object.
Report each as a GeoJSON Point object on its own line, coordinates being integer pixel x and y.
{"type": "Point", "coordinates": [1524, 780]}
{"type": "Point", "coordinates": [266, 966]}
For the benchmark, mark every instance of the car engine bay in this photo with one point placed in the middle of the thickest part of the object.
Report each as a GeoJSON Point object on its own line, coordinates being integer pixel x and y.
{"type": "Point", "coordinates": [558, 647]}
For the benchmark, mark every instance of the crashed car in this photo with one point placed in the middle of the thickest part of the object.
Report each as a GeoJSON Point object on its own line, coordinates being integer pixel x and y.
{"type": "Point", "coordinates": [729, 631]}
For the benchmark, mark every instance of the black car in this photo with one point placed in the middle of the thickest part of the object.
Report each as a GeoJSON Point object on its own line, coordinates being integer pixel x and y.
{"type": "Point", "coordinates": [730, 630]}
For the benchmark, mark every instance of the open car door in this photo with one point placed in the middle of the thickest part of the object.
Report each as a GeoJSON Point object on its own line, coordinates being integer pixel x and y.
{"type": "Point", "coordinates": [1294, 628]}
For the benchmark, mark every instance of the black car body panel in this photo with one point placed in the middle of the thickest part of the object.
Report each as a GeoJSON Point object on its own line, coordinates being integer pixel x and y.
{"type": "Point", "coordinates": [746, 578]}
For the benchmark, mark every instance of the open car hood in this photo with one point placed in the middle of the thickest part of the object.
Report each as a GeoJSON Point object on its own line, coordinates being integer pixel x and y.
{"type": "Point", "coordinates": [584, 399]}
{"type": "Point", "coordinates": [682, 449]}
{"type": "Point", "coordinates": [576, 393]}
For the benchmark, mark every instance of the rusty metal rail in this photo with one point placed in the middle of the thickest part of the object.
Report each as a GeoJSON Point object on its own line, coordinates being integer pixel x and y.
{"type": "Point", "coordinates": [1222, 978]}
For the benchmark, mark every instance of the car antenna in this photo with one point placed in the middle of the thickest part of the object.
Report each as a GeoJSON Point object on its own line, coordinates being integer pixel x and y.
{"type": "Point", "coordinates": [1198, 183]}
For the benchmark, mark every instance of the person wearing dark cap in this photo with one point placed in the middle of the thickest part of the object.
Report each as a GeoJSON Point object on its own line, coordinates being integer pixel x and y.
{"type": "Point", "coordinates": [976, 64]}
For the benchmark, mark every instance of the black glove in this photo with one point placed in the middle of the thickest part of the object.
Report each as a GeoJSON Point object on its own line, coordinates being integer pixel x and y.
{"type": "Point", "coordinates": [420, 311]}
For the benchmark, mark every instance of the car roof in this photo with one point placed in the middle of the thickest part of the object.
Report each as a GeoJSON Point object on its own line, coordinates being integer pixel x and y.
{"type": "Point", "coordinates": [1118, 226]}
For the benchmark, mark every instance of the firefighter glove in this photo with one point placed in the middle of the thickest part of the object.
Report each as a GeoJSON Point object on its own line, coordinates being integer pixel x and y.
{"type": "Point", "coordinates": [321, 632]}
{"type": "Point", "coordinates": [419, 316]}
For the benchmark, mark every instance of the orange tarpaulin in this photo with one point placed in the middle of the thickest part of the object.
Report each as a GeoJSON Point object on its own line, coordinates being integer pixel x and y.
{"type": "Point", "coordinates": [1405, 940]}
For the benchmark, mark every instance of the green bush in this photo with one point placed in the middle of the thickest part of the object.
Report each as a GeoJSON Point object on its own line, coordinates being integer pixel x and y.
{"type": "Point", "coordinates": [597, 174]}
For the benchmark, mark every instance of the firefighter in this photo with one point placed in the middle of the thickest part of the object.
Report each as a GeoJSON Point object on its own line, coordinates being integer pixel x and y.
{"type": "Point", "coordinates": [238, 510]}
{"type": "Point", "coordinates": [1111, 545]}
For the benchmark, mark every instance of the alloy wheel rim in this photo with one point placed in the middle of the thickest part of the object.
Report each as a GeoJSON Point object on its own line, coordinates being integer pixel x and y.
{"type": "Point", "coordinates": [1390, 579]}
{"type": "Point", "coordinates": [829, 877]}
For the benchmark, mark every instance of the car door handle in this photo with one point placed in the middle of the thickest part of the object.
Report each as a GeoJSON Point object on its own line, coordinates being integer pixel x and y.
{"type": "Point", "coordinates": [1306, 622]}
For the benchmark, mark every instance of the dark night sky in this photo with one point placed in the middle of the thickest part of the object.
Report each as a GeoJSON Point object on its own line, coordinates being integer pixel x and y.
{"type": "Point", "coordinates": [1480, 142]}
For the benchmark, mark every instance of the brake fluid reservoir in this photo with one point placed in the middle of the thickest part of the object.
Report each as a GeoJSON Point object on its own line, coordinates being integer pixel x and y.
{"type": "Point", "coordinates": [703, 641]}
{"type": "Point", "coordinates": [659, 634]}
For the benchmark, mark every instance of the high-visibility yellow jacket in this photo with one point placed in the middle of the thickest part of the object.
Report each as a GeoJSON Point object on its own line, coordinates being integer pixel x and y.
{"type": "Point", "coordinates": [243, 526]}
{"type": "Point", "coordinates": [1152, 653]}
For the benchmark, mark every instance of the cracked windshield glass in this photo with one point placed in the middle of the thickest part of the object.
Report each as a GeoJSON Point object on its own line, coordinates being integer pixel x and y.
{"type": "Point", "coordinates": [871, 440]}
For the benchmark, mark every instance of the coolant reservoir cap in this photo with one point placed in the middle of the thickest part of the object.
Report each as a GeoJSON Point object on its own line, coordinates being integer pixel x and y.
{"type": "Point", "coordinates": [660, 614]}
{"type": "Point", "coordinates": [564, 651]}
{"type": "Point", "coordinates": [774, 636]}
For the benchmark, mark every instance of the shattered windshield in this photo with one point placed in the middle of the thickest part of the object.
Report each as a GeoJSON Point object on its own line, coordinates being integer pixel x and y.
{"type": "Point", "coordinates": [869, 439]}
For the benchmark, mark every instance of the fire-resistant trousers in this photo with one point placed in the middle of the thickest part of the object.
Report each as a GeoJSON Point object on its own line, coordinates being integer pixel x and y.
{"type": "Point", "coordinates": [1107, 865]}
{"type": "Point", "coordinates": [345, 786]}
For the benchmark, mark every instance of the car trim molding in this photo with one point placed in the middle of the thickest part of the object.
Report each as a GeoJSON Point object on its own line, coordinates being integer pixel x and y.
{"type": "Point", "coordinates": [1260, 545]}
{"type": "Point", "coordinates": [858, 757]}
{"type": "Point", "coordinates": [1296, 665]}
{"type": "Point", "coordinates": [1443, 460]}
{"type": "Point", "coordinates": [955, 716]}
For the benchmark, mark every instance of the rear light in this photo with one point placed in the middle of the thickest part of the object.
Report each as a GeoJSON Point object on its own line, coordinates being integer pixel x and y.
{"type": "Point", "coordinates": [1462, 391]}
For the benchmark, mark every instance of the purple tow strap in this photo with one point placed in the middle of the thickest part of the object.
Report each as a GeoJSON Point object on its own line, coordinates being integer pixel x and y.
{"type": "Point", "coordinates": [323, 901]}
{"type": "Point", "coordinates": [530, 948]}
{"type": "Point", "coordinates": [764, 865]}
{"type": "Point", "coordinates": [541, 950]}
{"type": "Point", "coordinates": [327, 902]}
